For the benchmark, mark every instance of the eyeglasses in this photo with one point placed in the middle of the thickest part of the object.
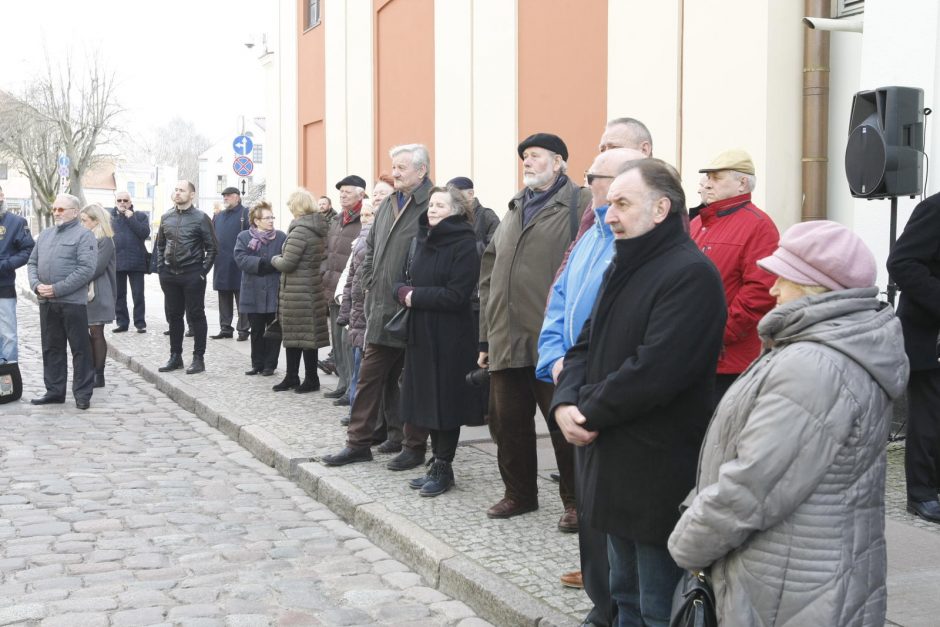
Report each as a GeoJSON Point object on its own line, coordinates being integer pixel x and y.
{"type": "Point", "coordinates": [593, 177]}
{"type": "Point", "coordinates": [61, 209]}
{"type": "Point", "coordinates": [266, 218]}
{"type": "Point", "coordinates": [123, 200]}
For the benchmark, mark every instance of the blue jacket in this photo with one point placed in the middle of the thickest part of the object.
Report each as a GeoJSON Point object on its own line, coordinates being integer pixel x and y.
{"type": "Point", "coordinates": [228, 224]}
{"type": "Point", "coordinates": [16, 243]}
{"type": "Point", "coordinates": [129, 236]}
{"type": "Point", "coordinates": [574, 293]}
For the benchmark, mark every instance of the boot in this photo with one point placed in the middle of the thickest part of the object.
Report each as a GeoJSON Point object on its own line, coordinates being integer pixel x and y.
{"type": "Point", "coordinates": [99, 377]}
{"type": "Point", "coordinates": [310, 384]}
{"type": "Point", "coordinates": [440, 479]}
{"type": "Point", "coordinates": [418, 482]}
{"type": "Point", "coordinates": [175, 363]}
{"type": "Point", "coordinates": [198, 365]}
{"type": "Point", "coordinates": [289, 382]}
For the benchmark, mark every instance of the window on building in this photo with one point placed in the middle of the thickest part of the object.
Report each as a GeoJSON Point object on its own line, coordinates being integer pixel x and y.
{"type": "Point", "coordinates": [257, 154]}
{"type": "Point", "coordinates": [844, 8]}
{"type": "Point", "coordinates": [132, 189]}
{"type": "Point", "coordinates": [313, 13]}
{"type": "Point", "coordinates": [4, 171]}
{"type": "Point", "coordinates": [219, 183]}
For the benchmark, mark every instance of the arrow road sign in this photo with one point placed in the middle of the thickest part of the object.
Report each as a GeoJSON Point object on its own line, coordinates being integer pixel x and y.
{"type": "Point", "coordinates": [243, 166]}
{"type": "Point", "coordinates": [242, 145]}
{"type": "Point", "coordinates": [64, 161]}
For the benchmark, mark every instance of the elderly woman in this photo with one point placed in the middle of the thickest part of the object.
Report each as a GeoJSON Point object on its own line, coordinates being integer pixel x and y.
{"type": "Point", "coordinates": [257, 296]}
{"type": "Point", "coordinates": [789, 508]}
{"type": "Point", "coordinates": [442, 346]}
{"type": "Point", "coordinates": [302, 308]}
{"type": "Point", "coordinates": [103, 286]}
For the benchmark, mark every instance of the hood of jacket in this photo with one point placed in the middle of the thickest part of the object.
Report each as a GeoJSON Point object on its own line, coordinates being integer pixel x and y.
{"type": "Point", "coordinates": [313, 222]}
{"type": "Point", "coordinates": [853, 322]}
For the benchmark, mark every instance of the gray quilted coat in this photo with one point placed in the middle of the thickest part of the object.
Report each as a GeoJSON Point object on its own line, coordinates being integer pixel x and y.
{"type": "Point", "coordinates": [789, 510]}
{"type": "Point", "coordinates": [301, 305]}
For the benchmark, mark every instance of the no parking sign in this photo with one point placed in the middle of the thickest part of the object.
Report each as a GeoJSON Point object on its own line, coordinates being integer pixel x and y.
{"type": "Point", "coordinates": [243, 166]}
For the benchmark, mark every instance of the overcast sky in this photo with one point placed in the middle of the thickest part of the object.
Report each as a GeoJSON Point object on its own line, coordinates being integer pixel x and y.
{"type": "Point", "coordinates": [172, 57]}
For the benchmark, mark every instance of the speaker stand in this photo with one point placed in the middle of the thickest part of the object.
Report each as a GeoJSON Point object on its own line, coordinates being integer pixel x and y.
{"type": "Point", "coordinates": [892, 287]}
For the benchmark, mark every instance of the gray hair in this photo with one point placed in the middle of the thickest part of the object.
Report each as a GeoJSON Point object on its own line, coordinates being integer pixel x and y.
{"type": "Point", "coordinates": [73, 200]}
{"type": "Point", "coordinates": [638, 130]}
{"type": "Point", "coordinates": [458, 203]}
{"type": "Point", "coordinates": [419, 154]}
{"type": "Point", "coordinates": [750, 178]}
{"type": "Point", "coordinates": [662, 179]}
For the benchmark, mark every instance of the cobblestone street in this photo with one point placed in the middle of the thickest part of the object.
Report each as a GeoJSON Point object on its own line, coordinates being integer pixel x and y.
{"type": "Point", "coordinates": [136, 512]}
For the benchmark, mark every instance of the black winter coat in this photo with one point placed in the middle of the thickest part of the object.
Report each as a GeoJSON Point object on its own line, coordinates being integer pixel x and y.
{"type": "Point", "coordinates": [914, 264]}
{"type": "Point", "coordinates": [642, 372]}
{"type": "Point", "coordinates": [228, 223]}
{"type": "Point", "coordinates": [442, 340]}
{"type": "Point", "coordinates": [129, 236]}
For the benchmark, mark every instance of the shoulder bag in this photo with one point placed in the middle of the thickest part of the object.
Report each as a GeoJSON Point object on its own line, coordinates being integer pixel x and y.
{"type": "Point", "coordinates": [693, 603]}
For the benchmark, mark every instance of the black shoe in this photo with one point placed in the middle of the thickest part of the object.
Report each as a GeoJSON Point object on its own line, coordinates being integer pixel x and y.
{"type": "Point", "coordinates": [389, 447]}
{"type": "Point", "coordinates": [222, 335]}
{"type": "Point", "coordinates": [287, 383]}
{"type": "Point", "coordinates": [347, 456]}
{"type": "Point", "coordinates": [189, 333]}
{"type": "Point", "coordinates": [406, 460]}
{"type": "Point", "coordinates": [119, 330]}
{"type": "Point", "coordinates": [327, 366]}
{"type": "Point", "coordinates": [928, 510]}
{"type": "Point", "coordinates": [417, 482]}
{"type": "Point", "coordinates": [175, 363]}
{"type": "Point", "coordinates": [99, 379]}
{"type": "Point", "coordinates": [554, 476]}
{"type": "Point", "coordinates": [242, 337]}
{"type": "Point", "coordinates": [440, 479]}
{"type": "Point", "coordinates": [198, 365]}
{"type": "Point", "coordinates": [342, 401]}
{"type": "Point", "coordinates": [253, 371]}
{"type": "Point", "coordinates": [167, 332]}
{"type": "Point", "coordinates": [345, 420]}
{"type": "Point", "coordinates": [82, 404]}
{"type": "Point", "coordinates": [142, 330]}
{"type": "Point", "coordinates": [337, 393]}
{"type": "Point", "coordinates": [48, 399]}
{"type": "Point", "coordinates": [267, 372]}
{"type": "Point", "coordinates": [309, 385]}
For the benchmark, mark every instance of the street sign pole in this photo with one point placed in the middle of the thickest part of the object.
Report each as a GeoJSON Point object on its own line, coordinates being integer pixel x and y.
{"type": "Point", "coordinates": [243, 187]}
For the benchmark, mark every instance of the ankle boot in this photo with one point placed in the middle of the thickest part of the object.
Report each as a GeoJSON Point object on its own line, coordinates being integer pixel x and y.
{"type": "Point", "coordinates": [440, 479]}
{"type": "Point", "coordinates": [99, 377]}
{"type": "Point", "coordinates": [289, 382]}
{"type": "Point", "coordinates": [198, 365]}
{"type": "Point", "coordinates": [175, 363]}
{"type": "Point", "coordinates": [310, 384]}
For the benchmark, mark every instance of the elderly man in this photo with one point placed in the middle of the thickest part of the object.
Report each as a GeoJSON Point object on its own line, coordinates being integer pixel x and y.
{"type": "Point", "coordinates": [339, 239]}
{"type": "Point", "coordinates": [16, 244]}
{"type": "Point", "coordinates": [569, 305]}
{"type": "Point", "coordinates": [226, 276]}
{"type": "Point", "coordinates": [186, 249]}
{"type": "Point", "coordinates": [515, 277]}
{"type": "Point", "coordinates": [131, 229]}
{"type": "Point", "coordinates": [396, 224]}
{"type": "Point", "coordinates": [60, 268]}
{"type": "Point", "coordinates": [734, 234]}
{"type": "Point", "coordinates": [637, 386]}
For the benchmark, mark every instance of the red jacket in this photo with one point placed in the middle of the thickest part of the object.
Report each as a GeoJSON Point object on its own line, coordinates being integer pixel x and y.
{"type": "Point", "coordinates": [734, 234]}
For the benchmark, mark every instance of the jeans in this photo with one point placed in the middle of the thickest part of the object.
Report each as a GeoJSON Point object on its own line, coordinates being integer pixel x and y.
{"type": "Point", "coordinates": [643, 578]}
{"type": "Point", "coordinates": [8, 351]}
{"type": "Point", "coordinates": [62, 326]}
{"type": "Point", "coordinates": [354, 374]}
{"type": "Point", "coordinates": [121, 317]}
{"type": "Point", "coordinates": [185, 293]}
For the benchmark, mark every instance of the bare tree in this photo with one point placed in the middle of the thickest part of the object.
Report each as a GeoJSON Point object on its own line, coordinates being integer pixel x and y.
{"type": "Point", "coordinates": [177, 143]}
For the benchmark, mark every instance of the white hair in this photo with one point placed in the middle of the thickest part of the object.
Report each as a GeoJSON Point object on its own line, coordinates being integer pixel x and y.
{"type": "Point", "coordinates": [750, 178]}
{"type": "Point", "coordinates": [419, 154]}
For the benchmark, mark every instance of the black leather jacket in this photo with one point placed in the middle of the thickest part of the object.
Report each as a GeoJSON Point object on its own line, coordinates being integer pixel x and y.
{"type": "Point", "coordinates": [185, 240]}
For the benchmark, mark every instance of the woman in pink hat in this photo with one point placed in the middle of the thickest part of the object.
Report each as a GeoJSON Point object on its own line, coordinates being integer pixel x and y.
{"type": "Point", "coordinates": [788, 512]}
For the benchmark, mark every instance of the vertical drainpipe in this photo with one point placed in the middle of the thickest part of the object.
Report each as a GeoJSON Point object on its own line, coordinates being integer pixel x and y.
{"type": "Point", "coordinates": [815, 113]}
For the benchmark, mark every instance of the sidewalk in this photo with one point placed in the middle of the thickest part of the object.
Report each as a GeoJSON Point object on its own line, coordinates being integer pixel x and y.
{"type": "Point", "coordinates": [507, 570]}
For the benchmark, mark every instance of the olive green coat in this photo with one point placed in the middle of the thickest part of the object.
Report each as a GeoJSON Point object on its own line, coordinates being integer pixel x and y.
{"type": "Point", "coordinates": [302, 309]}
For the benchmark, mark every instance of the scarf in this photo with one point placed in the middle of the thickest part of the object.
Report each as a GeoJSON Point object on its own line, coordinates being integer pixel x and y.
{"type": "Point", "coordinates": [351, 214]}
{"type": "Point", "coordinates": [259, 238]}
{"type": "Point", "coordinates": [533, 201]}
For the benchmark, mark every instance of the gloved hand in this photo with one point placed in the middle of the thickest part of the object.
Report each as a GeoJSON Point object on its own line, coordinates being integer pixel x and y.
{"type": "Point", "coordinates": [265, 267]}
{"type": "Point", "coordinates": [342, 322]}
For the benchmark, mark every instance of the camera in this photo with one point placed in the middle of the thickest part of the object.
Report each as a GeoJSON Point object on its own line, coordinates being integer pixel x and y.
{"type": "Point", "coordinates": [478, 377]}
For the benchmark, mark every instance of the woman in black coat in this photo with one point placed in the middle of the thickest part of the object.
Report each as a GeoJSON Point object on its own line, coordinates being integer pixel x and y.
{"type": "Point", "coordinates": [442, 341]}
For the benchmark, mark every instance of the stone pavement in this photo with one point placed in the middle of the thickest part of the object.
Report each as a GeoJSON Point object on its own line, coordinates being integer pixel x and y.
{"type": "Point", "coordinates": [506, 570]}
{"type": "Point", "coordinates": [135, 512]}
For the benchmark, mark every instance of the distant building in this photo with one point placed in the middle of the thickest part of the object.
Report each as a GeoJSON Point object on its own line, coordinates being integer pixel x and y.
{"type": "Point", "coordinates": [215, 164]}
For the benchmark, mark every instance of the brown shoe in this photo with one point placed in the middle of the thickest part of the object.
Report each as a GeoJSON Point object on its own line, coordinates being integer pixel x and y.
{"type": "Point", "coordinates": [572, 580]}
{"type": "Point", "coordinates": [568, 523]}
{"type": "Point", "coordinates": [507, 508]}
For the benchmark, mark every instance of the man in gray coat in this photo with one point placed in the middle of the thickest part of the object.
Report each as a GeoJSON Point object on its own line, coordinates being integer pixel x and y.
{"type": "Point", "coordinates": [387, 245]}
{"type": "Point", "coordinates": [60, 267]}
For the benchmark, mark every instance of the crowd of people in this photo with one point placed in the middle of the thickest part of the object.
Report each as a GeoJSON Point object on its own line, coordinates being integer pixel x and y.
{"type": "Point", "coordinates": [718, 396]}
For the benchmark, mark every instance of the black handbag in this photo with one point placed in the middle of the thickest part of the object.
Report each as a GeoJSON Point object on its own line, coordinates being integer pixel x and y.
{"type": "Point", "coordinates": [11, 382]}
{"type": "Point", "coordinates": [397, 327]}
{"type": "Point", "coordinates": [693, 603]}
{"type": "Point", "coordinates": [273, 330]}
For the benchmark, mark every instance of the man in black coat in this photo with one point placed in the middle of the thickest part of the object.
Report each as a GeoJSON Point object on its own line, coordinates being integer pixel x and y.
{"type": "Point", "coordinates": [131, 229]}
{"type": "Point", "coordinates": [637, 385]}
{"type": "Point", "coordinates": [226, 277]}
{"type": "Point", "coordinates": [914, 264]}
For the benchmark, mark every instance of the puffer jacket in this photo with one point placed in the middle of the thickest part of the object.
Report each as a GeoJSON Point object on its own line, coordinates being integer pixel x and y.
{"type": "Point", "coordinates": [185, 240]}
{"type": "Point", "coordinates": [302, 308]}
{"type": "Point", "coordinates": [352, 310]}
{"type": "Point", "coordinates": [65, 257]}
{"type": "Point", "coordinates": [789, 511]}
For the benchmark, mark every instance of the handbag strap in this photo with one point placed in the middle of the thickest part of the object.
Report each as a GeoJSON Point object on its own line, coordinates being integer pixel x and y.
{"type": "Point", "coordinates": [411, 258]}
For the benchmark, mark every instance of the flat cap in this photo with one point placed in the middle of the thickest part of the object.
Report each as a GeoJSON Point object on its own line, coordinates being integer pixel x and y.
{"type": "Point", "coordinates": [231, 190]}
{"type": "Point", "coordinates": [734, 159]}
{"type": "Point", "coordinates": [352, 179]}
{"type": "Point", "coordinates": [460, 182]}
{"type": "Point", "coordinates": [546, 141]}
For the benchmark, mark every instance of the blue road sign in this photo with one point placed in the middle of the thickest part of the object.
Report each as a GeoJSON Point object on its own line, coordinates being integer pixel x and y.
{"type": "Point", "coordinates": [242, 145]}
{"type": "Point", "coordinates": [243, 166]}
{"type": "Point", "coordinates": [63, 170]}
{"type": "Point", "coordinates": [64, 161]}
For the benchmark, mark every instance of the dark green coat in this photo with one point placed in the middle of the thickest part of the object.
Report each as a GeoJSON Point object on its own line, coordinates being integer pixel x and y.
{"type": "Point", "coordinates": [302, 308]}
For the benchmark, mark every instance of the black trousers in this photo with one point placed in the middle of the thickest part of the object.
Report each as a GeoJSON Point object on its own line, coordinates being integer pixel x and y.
{"type": "Point", "coordinates": [185, 293]}
{"type": "Point", "coordinates": [64, 324]}
{"type": "Point", "coordinates": [592, 545]}
{"type": "Point", "coordinates": [264, 352]}
{"type": "Point", "coordinates": [444, 443]}
{"type": "Point", "coordinates": [121, 317]}
{"type": "Point", "coordinates": [228, 304]}
{"type": "Point", "coordinates": [922, 446]}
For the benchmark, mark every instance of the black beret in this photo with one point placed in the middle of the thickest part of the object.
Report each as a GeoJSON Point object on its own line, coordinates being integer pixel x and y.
{"type": "Point", "coordinates": [231, 190]}
{"type": "Point", "coordinates": [546, 141]}
{"type": "Point", "coordinates": [352, 179]}
{"type": "Point", "coordinates": [460, 182]}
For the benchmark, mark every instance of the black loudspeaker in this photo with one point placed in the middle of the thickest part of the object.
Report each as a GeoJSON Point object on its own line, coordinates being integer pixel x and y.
{"type": "Point", "coordinates": [885, 154]}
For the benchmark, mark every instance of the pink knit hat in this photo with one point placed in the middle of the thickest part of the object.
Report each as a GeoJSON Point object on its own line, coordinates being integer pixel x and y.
{"type": "Point", "coordinates": [822, 252]}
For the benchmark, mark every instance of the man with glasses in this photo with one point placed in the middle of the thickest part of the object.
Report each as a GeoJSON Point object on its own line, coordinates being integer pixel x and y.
{"type": "Point", "coordinates": [226, 276]}
{"type": "Point", "coordinates": [16, 244]}
{"type": "Point", "coordinates": [186, 248]}
{"type": "Point", "coordinates": [60, 268]}
{"type": "Point", "coordinates": [131, 229]}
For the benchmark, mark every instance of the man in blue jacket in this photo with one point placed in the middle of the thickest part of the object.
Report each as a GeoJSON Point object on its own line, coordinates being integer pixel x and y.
{"type": "Point", "coordinates": [226, 277]}
{"type": "Point", "coordinates": [131, 229]}
{"type": "Point", "coordinates": [16, 244]}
